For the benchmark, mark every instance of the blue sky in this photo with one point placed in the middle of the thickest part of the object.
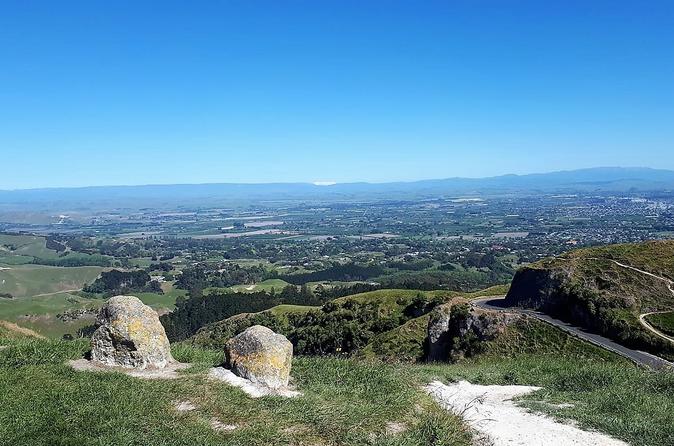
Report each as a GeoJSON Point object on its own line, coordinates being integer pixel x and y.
{"type": "Point", "coordinates": [97, 93]}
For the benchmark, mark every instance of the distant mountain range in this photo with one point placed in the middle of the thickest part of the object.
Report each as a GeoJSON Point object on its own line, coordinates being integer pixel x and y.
{"type": "Point", "coordinates": [600, 180]}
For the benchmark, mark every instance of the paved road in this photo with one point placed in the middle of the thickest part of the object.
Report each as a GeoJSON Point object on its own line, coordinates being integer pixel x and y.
{"type": "Point", "coordinates": [639, 357]}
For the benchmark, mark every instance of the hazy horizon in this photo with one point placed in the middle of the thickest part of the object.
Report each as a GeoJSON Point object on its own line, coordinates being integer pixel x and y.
{"type": "Point", "coordinates": [334, 183]}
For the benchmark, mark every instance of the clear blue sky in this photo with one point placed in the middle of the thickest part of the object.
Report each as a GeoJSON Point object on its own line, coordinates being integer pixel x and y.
{"type": "Point", "coordinates": [137, 92]}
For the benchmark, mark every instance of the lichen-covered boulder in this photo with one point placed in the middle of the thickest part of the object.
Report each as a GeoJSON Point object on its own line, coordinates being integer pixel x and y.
{"type": "Point", "coordinates": [261, 356]}
{"type": "Point", "coordinates": [130, 335]}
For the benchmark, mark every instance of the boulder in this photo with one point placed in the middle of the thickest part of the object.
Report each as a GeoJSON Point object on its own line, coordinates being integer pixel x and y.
{"type": "Point", "coordinates": [130, 335]}
{"type": "Point", "coordinates": [261, 356]}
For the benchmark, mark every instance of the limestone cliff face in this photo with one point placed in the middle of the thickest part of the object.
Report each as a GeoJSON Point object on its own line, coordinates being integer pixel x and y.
{"type": "Point", "coordinates": [544, 289]}
{"type": "Point", "coordinates": [602, 289]}
{"type": "Point", "coordinates": [563, 292]}
{"type": "Point", "coordinates": [457, 330]}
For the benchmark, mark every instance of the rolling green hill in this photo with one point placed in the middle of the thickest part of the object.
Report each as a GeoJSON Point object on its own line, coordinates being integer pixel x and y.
{"type": "Point", "coordinates": [604, 289]}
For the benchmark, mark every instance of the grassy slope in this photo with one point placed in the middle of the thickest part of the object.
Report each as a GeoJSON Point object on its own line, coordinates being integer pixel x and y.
{"type": "Point", "coordinates": [25, 245]}
{"type": "Point", "coordinates": [592, 268]}
{"type": "Point", "coordinates": [266, 285]}
{"type": "Point", "coordinates": [39, 313]}
{"type": "Point", "coordinates": [390, 302]}
{"type": "Point", "coordinates": [30, 280]}
{"type": "Point", "coordinates": [344, 402]}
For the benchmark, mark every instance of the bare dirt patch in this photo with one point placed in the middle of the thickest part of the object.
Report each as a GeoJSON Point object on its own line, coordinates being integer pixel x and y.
{"type": "Point", "coordinates": [11, 326]}
{"type": "Point", "coordinates": [222, 427]}
{"type": "Point", "coordinates": [184, 406]}
{"type": "Point", "coordinates": [168, 372]}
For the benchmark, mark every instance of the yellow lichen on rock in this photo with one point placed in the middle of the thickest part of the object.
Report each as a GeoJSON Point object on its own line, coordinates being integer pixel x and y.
{"type": "Point", "coordinates": [130, 335]}
{"type": "Point", "coordinates": [261, 356]}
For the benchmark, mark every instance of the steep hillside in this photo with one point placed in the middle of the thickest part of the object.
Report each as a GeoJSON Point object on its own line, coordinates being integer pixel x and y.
{"type": "Point", "coordinates": [392, 325]}
{"type": "Point", "coordinates": [604, 289]}
{"type": "Point", "coordinates": [342, 326]}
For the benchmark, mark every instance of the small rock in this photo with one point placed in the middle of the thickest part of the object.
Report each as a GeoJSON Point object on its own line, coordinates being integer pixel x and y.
{"type": "Point", "coordinates": [130, 335]}
{"type": "Point", "coordinates": [261, 356]}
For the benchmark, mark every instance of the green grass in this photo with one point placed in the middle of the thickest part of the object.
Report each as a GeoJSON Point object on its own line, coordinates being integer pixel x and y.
{"type": "Point", "coordinates": [166, 301]}
{"type": "Point", "coordinates": [496, 290]}
{"type": "Point", "coordinates": [13, 309]}
{"type": "Point", "coordinates": [39, 313]}
{"type": "Point", "coordinates": [663, 322]}
{"type": "Point", "coordinates": [280, 310]}
{"type": "Point", "coordinates": [31, 280]}
{"type": "Point", "coordinates": [344, 402]}
{"type": "Point", "coordinates": [265, 285]}
{"type": "Point", "coordinates": [391, 296]}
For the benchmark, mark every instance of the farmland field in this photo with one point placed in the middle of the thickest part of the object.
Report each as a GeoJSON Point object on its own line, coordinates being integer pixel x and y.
{"type": "Point", "coordinates": [32, 280]}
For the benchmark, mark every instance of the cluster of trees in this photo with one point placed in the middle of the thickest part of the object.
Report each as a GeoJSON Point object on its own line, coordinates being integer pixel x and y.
{"type": "Point", "coordinates": [344, 273]}
{"type": "Point", "coordinates": [73, 260]}
{"type": "Point", "coordinates": [120, 282]}
{"type": "Point", "coordinates": [56, 245]}
{"type": "Point", "coordinates": [338, 328]}
{"type": "Point", "coordinates": [193, 313]}
{"type": "Point", "coordinates": [196, 278]}
{"type": "Point", "coordinates": [455, 280]}
{"type": "Point", "coordinates": [198, 310]}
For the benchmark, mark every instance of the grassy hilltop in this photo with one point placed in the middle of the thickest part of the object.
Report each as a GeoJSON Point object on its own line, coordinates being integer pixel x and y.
{"type": "Point", "coordinates": [605, 289]}
{"type": "Point", "coordinates": [346, 401]}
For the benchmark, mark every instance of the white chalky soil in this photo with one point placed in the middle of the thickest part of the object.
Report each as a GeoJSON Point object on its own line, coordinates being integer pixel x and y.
{"type": "Point", "coordinates": [492, 413]}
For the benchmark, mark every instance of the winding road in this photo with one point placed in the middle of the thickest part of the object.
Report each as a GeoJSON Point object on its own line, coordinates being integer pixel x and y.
{"type": "Point", "coordinates": [637, 356]}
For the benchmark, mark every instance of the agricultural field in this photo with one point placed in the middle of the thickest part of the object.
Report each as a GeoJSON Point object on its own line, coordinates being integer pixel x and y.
{"type": "Point", "coordinates": [39, 280]}
{"type": "Point", "coordinates": [24, 247]}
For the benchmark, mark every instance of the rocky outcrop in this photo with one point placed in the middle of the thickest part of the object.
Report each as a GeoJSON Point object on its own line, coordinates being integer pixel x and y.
{"type": "Point", "coordinates": [130, 335]}
{"type": "Point", "coordinates": [261, 356]}
{"type": "Point", "coordinates": [439, 332]}
{"type": "Point", "coordinates": [539, 288]}
{"type": "Point", "coordinates": [457, 329]}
